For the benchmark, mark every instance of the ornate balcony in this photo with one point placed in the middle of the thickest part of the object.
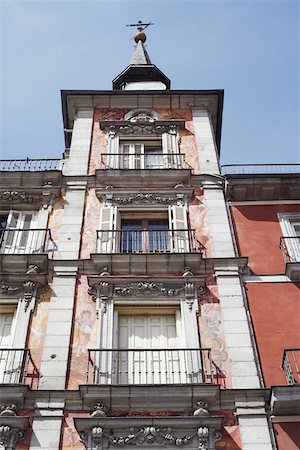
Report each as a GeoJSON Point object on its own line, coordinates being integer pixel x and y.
{"type": "Point", "coordinates": [31, 165]}
{"type": "Point", "coordinates": [291, 365]}
{"type": "Point", "coordinates": [290, 247]}
{"type": "Point", "coordinates": [152, 366]}
{"type": "Point", "coordinates": [25, 241]}
{"type": "Point", "coordinates": [17, 367]}
{"type": "Point", "coordinates": [143, 161]}
{"type": "Point", "coordinates": [147, 241]}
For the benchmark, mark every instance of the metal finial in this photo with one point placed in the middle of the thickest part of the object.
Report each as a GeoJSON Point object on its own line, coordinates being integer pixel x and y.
{"type": "Point", "coordinates": [140, 25]}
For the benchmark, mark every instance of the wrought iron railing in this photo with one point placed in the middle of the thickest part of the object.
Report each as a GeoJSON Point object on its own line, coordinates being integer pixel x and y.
{"type": "Point", "coordinates": [152, 366]}
{"type": "Point", "coordinates": [17, 367]}
{"type": "Point", "coordinates": [290, 247]}
{"type": "Point", "coordinates": [147, 241]}
{"type": "Point", "coordinates": [291, 365]}
{"type": "Point", "coordinates": [140, 161]}
{"type": "Point", "coordinates": [33, 165]}
{"type": "Point", "coordinates": [248, 169]}
{"type": "Point", "coordinates": [25, 240]}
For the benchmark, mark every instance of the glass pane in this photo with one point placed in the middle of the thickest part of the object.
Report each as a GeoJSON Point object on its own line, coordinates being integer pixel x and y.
{"type": "Point", "coordinates": [131, 236]}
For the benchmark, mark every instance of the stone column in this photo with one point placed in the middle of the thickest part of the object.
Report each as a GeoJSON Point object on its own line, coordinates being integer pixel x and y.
{"type": "Point", "coordinates": [77, 164]}
{"type": "Point", "coordinates": [237, 331]}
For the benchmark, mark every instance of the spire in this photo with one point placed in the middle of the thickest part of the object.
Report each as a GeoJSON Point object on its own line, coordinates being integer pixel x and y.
{"type": "Point", "coordinates": [141, 74]}
{"type": "Point", "coordinates": [140, 55]}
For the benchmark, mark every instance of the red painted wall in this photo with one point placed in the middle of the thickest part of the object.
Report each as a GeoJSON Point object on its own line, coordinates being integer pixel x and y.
{"type": "Point", "coordinates": [275, 311]}
{"type": "Point", "coordinates": [287, 436]}
{"type": "Point", "coordinates": [258, 235]}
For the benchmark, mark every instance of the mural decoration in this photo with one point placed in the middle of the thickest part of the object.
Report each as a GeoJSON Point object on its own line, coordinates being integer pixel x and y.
{"type": "Point", "coordinates": [37, 333]}
{"type": "Point", "coordinates": [70, 437]}
{"type": "Point", "coordinates": [212, 334]}
{"type": "Point", "coordinates": [84, 334]}
{"type": "Point", "coordinates": [54, 224]}
{"type": "Point", "coordinates": [187, 144]}
{"type": "Point", "coordinates": [198, 222]}
{"type": "Point", "coordinates": [91, 224]}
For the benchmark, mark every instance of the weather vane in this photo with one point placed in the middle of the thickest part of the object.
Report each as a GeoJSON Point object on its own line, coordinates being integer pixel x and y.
{"type": "Point", "coordinates": [140, 25]}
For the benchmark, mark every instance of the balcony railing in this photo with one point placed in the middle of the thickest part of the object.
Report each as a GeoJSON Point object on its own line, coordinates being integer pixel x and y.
{"type": "Point", "coordinates": [34, 165]}
{"type": "Point", "coordinates": [147, 241]}
{"type": "Point", "coordinates": [249, 169]}
{"type": "Point", "coordinates": [21, 241]}
{"type": "Point", "coordinates": [152, 366]}
{"type": "Point", "coordinates": [139, 161]}
{"type": "Point", "coordinates": [290, 247]}
{"type": "Point", "coordinates": [291, 365]}
{"type": "Point", "coordinates": [17, 367]}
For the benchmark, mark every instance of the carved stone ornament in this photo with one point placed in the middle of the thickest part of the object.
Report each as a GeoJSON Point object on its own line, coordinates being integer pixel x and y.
{"type": "Point", "coordinates": [32, 268]}
{"type": "Point", "coordinates": [141, 124]}
{"type": "Point", "coordinates": [102, 293]}
{"type": "Point", "coordinates": [146, 289]}
{"type": "Point", "coordinates": [201, 410]}
{"type": "Point", "coordinates": [8, 410]}
{"type": "Point", "coordinates": [9, 436]}
{"type": "Point", "coordinates": [93, 439]}
{"type": "Point", "coordinates": [148, 199]}
{"type": "Point", "coordinates": [100, 410]}
{"type": "Point", "coordinates": [27, 291]}
{"type": "Point", "coordinates": [20, 197]}
{"type": "Point", "coordinates": [148, 436]}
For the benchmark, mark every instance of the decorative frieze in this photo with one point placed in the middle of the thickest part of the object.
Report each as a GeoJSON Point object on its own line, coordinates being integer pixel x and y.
{"type": "Point", "coordinates": [106, 290]}
{"type": "Point", "coordinates": [141, 125]}
{"type": "Point", "coordinates": [27, 290]}
{"type": "Point", "coordinates": [19, 197]}
{"type": "Point", "coordinates": [12, 427]}
{"type": "Point", "coordinates": [149, 436]}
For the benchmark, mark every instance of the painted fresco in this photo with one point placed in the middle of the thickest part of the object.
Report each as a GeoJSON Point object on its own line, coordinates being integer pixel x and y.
{"type": "Point", "coordinates": [211, 331]}
{"type": "Point", "coordinates": [198, 222]}
{"type": "Point", "coordinates": [55, 220]}
{"type": "Point", "coordinates": [91, 224]}
{"type": "Point", "coordinates": [187, 137]}
{"type": "Point", "coordinates": [37, 331]}
{"type": "Point", "coordinates": [70, 437]}
{"type": "Point", "coordinates": [84, 334]}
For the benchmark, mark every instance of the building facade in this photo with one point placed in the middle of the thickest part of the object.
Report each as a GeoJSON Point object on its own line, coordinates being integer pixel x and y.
{"type": "Point", "coordinates": [124, 315]}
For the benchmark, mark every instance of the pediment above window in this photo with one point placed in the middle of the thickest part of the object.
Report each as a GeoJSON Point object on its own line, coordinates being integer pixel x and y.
{"type": "Point", "coordinates": [142, 124]}
{"type": "Point", "coordinates": [27, 198]}
{"type": "Point", "coordinates": [175, 196]}
{"type": "Point", "coordinates": [147, 432]}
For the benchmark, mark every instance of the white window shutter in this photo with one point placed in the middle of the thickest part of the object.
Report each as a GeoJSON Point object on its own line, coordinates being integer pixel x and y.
{"type": "Point", "coordinates": [20, 236]}
{"type": "Point", "coordinates": [170, 150]}
{"type": "Point", "coordinates": [107, 233]}
{"type": "Point", "coordinates": [178, 225]}
{"type": "Point", "coordinates": [113, 152]}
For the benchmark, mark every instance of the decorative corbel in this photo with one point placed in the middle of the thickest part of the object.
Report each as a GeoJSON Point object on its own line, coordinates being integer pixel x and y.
{"type": "Point", "coordinates": [93, 439]}
{"type": "Point", "coordinates": [30, 292]}
{"type": "Point", "coordinates": [12, 428]}
{"type": "Point", "coordinates": [47, 198]}
{"type": "Point", "coordinates": [9, 436]}
{"type": "Point", "coordinates": [101, 293]}
{"type": "Point", "coordinates": [190, 294]}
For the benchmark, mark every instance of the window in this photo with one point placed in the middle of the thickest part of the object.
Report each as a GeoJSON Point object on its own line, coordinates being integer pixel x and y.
{"type": "Point", "coordinates": [147, 346]}
{"type": "Point", "coordinates": [19, 233]}
{"type": "Point", "coordinates": [146, 153]}
{"type": "Point", "coordinates": [144, 231]}
{"type": "Point", "coordinates": [7, 327]}
{"type": "Point", "coordinates": [290, 241]}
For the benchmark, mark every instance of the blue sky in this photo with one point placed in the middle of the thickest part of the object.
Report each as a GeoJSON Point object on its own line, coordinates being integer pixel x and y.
{"type": "Point", "coordinates": [248, 48]}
